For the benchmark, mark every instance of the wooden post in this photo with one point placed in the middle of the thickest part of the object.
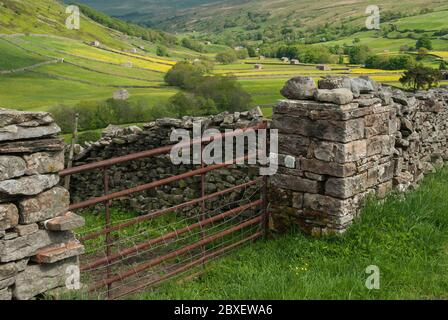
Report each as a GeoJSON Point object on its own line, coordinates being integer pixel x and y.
{"type": "Point", "coordinates": [72, 151]}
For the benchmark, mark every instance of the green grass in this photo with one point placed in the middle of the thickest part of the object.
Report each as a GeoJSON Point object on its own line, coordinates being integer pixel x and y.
{"type": "Point", "coordinates": [430, 21]}
{"type": "Point", "coordinates": [33, 91]}
{"type": "Point", "coordinates": [48, 17]}
{"type": "Point", "coordinates": [12, 57]}
{"type": "Point", "coordinates": [405, 236]}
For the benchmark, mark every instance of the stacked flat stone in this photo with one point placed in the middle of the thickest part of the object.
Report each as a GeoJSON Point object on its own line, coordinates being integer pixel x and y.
{"type": "Point", "coordinates": [117, 141]}
{"type": "Point", "coordinates": [33, 257]}
{"type": "Point", "coordinates": [421, 141]}
{"type": "Point", "coordinates": [348, 137]}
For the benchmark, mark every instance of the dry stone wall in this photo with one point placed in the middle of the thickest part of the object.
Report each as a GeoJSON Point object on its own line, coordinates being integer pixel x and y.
{"type": "Point", "coordinates": [118, 141]}
{"type": "Point", "coordinates": [36, 245]}
{"type": "Point", "coordinates": [351, 138]}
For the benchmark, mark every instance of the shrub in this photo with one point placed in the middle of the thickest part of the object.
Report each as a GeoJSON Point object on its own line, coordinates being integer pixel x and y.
{"type": "Point", "coordinates": [182, 104]}
{"type": "Point", "coordinates": [420, 77]}
{"type": "Point", "coordinates": [424, 42]}
{"type": "Point", "coordinates": [242, 53]}
{"type": "Point", "coordinates": [226, 92]}
{"type": "Point", "coordinates": [64, 117]}
{"type": "Point", "coordinates": [162, 51]}
{"type": "Point", "coordinates": [193, 45]}
{"type": "Point", "coordinates": [204, 65]}
{"type": "Point", "coordinates": [307, 54]}
{"type": "Point", "coordinates": [389, 63]}
{"type": "Point", "coordinates": [184, 75]}
{"type": "Point", "coordinates": [226, 57]}
{"type": "Point", "coordinates": [358, 54]}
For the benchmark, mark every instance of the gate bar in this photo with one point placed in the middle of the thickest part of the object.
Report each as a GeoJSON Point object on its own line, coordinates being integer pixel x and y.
{"type": "Point", "coordinates": [173, 254]}
{"type": "Point", "coordinates": [152, 185]}
{"type": "Point", "coordinates": [160, 212]}
{"type": "Point", "coordinates": [152, 152]}
{"type": "Point", "coordinates": [173, 234]}
{"type": "Point", "coordinates": [201, 260]}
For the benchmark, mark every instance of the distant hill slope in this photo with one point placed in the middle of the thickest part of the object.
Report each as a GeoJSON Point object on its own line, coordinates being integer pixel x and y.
{"type": "Point", "coordinates": [214, 15]}
{"type": "Point", "coordinates": [48, 17]}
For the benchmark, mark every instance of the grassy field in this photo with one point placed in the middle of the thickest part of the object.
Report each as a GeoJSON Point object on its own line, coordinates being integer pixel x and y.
{"type": "Point", "coordinates": [406, 236]}
{"type": "Point", "coordinates": [93, 74]}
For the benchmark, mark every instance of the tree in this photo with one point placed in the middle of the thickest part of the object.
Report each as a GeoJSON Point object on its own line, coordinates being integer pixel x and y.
{"type": "Point", "coordinates": [162, 51]}
{"type": "Point", "coordinates": [183, 75]}
{"type": "Point", "coordinates": [226, 57]}
{"type": "Point", "coordinates": [398, 62]}
{"type": "Point", "coordinates": [251, 51]}
{"type": "Point", "coordinates": [358, 54]}
{"type": "Point", "coordinates": [424, 42]}
{"type": "Point", "coordinates": [226, 92]}
{"type": "Point", "coordinates": [443, 65]}
{"type": "Point", "coordinates": [182, 104]}
{"type": "Point", "coordinates": [242, 53]}
{"type": "Point", "coordinates": [193, 45]}
{"type": "Point", "coordinates": [420, 77]}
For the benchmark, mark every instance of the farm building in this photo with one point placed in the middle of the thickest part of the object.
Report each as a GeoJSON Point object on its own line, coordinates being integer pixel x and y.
{"type": "Point", "coordinates": [121, 95]}
{"type": "Point", "coordinates": [238, 48]}
{"type": "Point", "coordinates": [323, 67]}
{"type": "Point", "coordinates": [295, 61]}
{"type": "Point", "coordinates": [261, 57]}
{"type": "Point", "coordinates": [285, 59]}
{"type": "Point", "coordinates": [95, 43]}
{"type": "Point", "coordinates": [127, 64]}
{"type": "Point", "coordinates": [207, 43]}
{"type": "Point", "coordinates": [258, 66]}
{"type": "Point", "coordinates": [133, 50]}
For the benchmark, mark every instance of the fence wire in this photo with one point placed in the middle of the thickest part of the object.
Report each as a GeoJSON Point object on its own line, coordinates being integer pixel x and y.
{"type": "Point", "coordinates": [161, 250]}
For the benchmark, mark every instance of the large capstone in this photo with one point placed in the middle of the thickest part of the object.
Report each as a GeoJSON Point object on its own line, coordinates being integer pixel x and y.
{"type": "Point", "coordinates": [337, 96]}
{"type": "Point", "coordinates": [299, 88]}
{"type": "Point", "coordinates": [335, 82]}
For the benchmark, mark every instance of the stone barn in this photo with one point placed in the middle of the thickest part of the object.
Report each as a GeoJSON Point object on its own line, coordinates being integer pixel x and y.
{"type": "Point", "coordinates": [121, 95]}
{"type": "Point", "coordinates": [95, 43]}
{"type": "Point", "coordinates": [323, 67]}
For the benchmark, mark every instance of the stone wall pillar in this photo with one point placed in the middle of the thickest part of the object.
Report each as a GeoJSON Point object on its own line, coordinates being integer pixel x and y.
{"type": "Point", "coordinates": [336, 146]}
{"type": "Point", "coordinates": [36, 241]}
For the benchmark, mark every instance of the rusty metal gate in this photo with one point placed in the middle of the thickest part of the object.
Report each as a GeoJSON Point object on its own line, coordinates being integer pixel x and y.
{"type": "Point", "coordinates": [126, 257]}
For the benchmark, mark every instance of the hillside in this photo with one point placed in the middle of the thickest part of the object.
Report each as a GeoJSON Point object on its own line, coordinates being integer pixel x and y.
{"type": "Point", "coordinates": [48, 17]}
{"type": "Point", "coordinates": [250, 15]}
